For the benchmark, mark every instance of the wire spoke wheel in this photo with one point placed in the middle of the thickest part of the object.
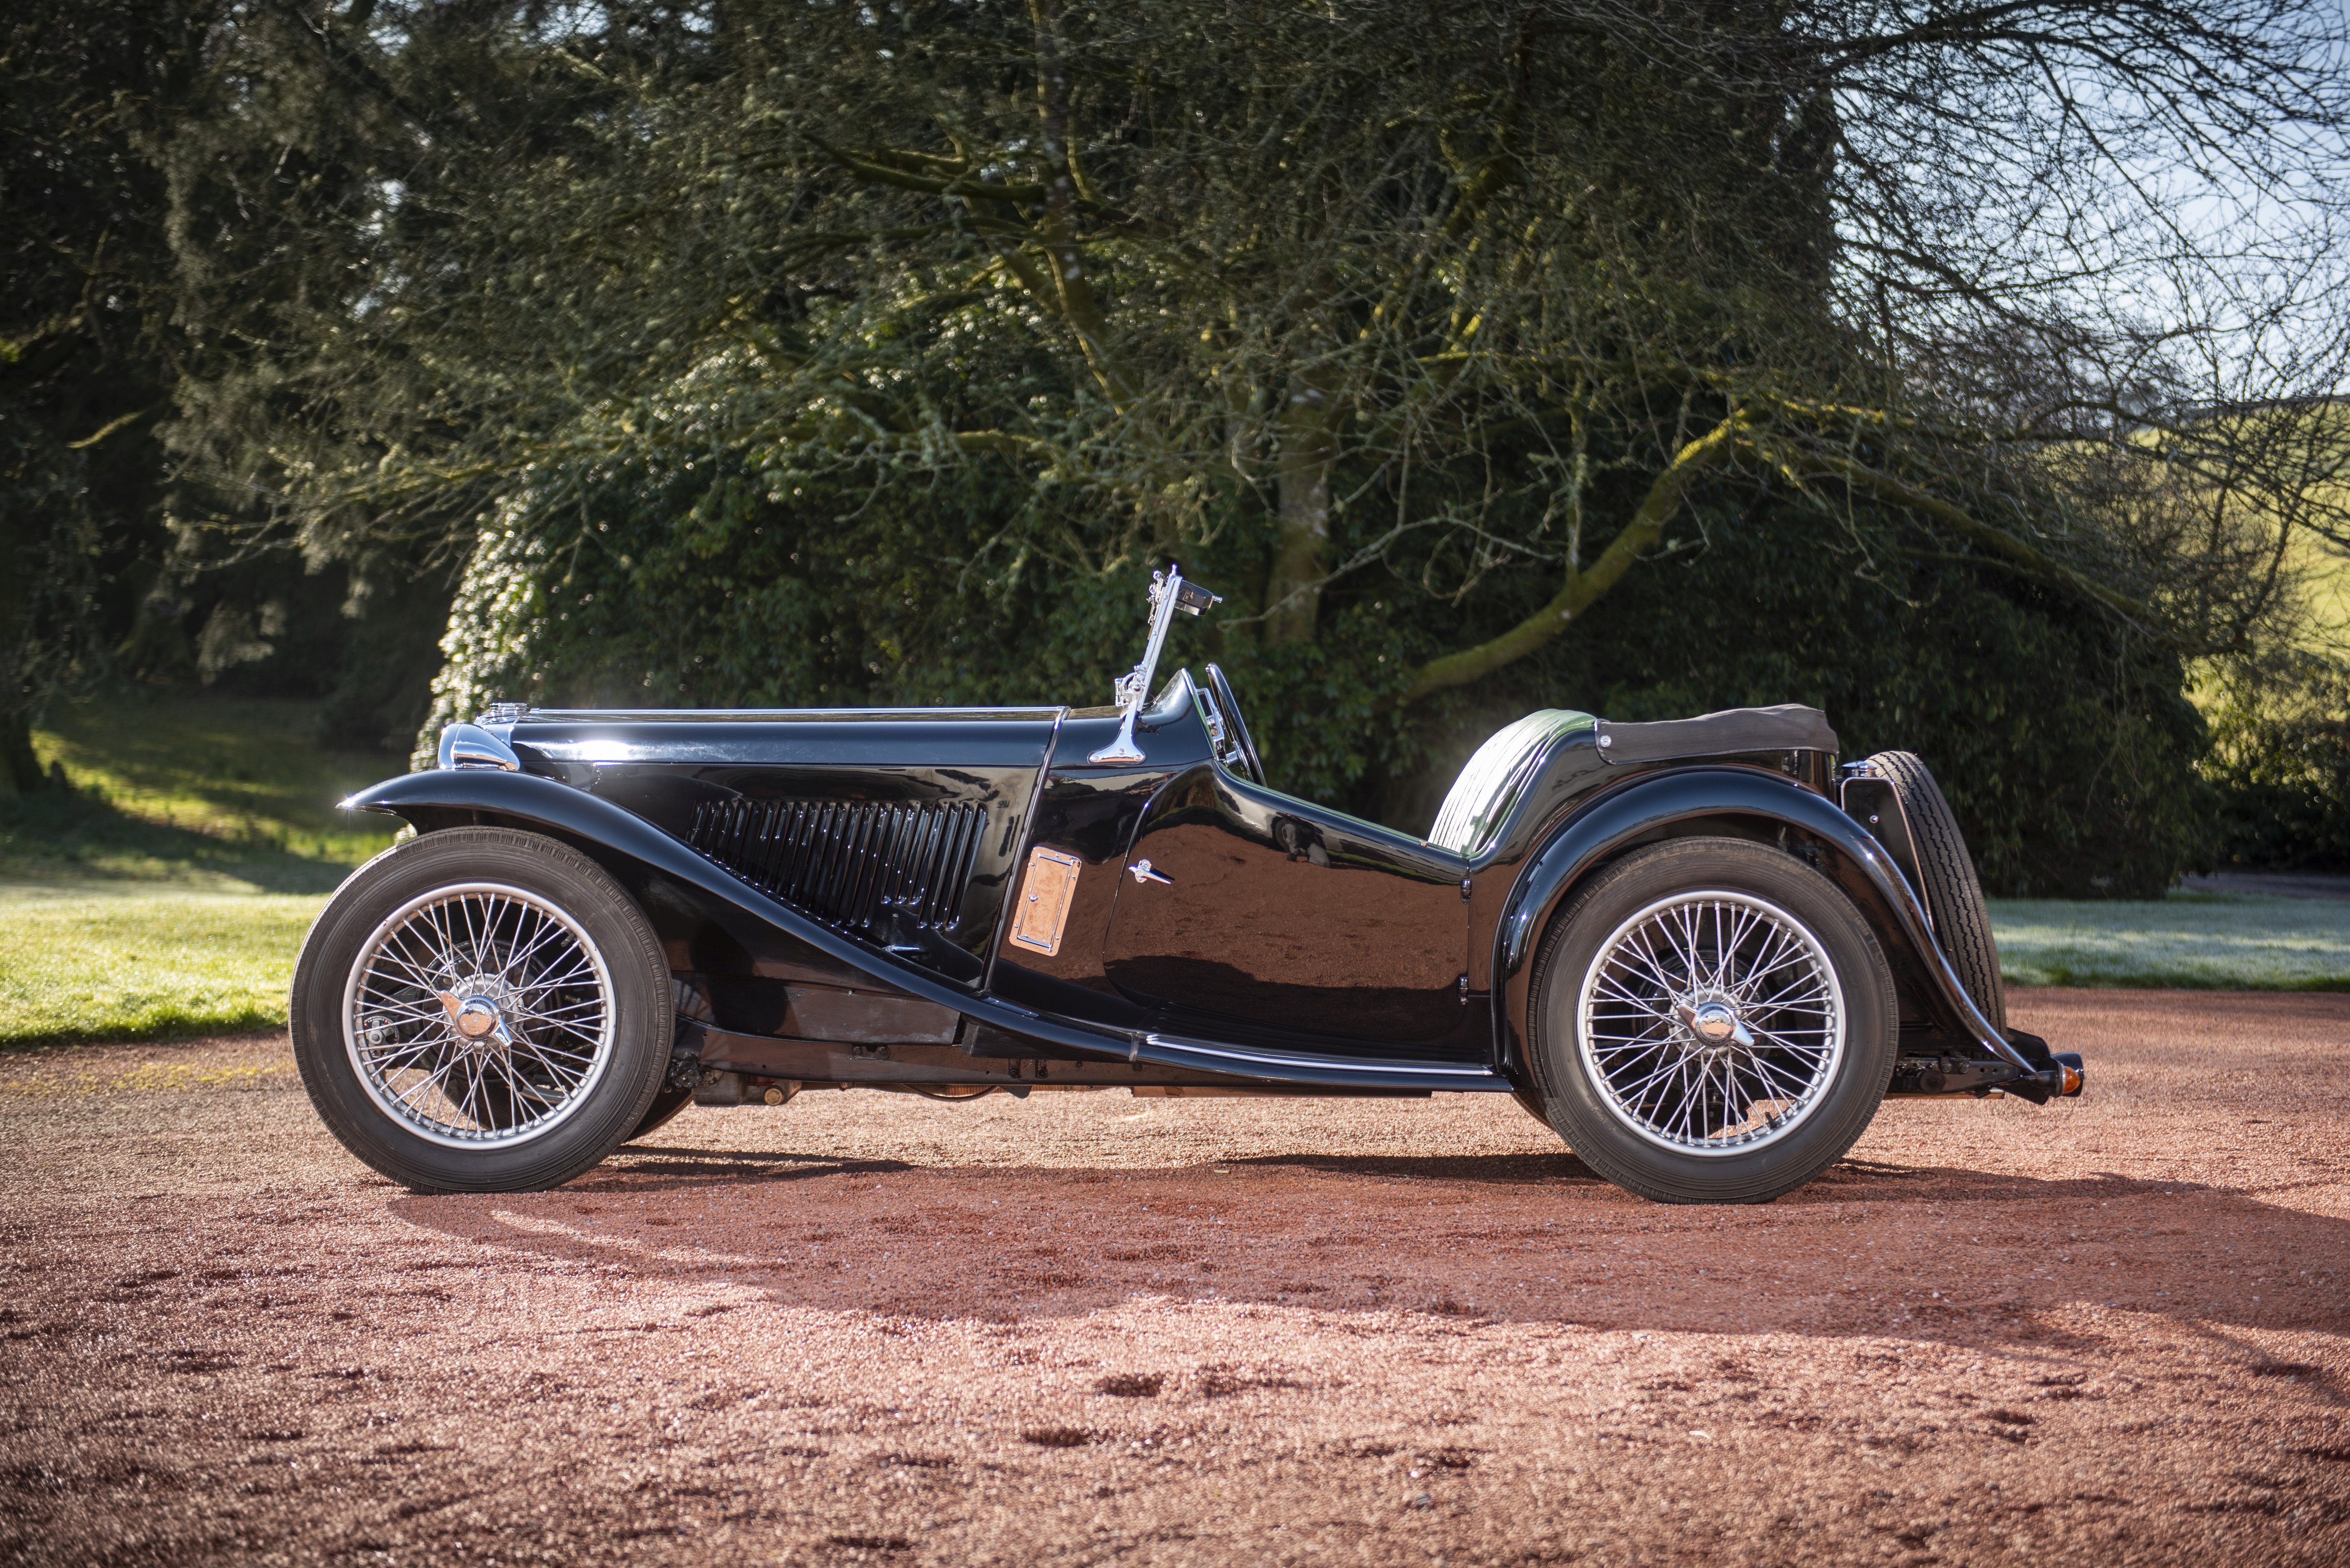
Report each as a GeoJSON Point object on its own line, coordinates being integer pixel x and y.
{"type": "Point", "coordinates": [479, 1015]}
{"type": "Point", "coordinates": [1711, 1022]}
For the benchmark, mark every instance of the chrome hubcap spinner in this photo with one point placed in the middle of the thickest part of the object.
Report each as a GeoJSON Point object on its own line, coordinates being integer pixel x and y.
{"type": "Point", "coordinates": [477, 1011]}
{"type": "Point", "coordinates": [1711, 1022]}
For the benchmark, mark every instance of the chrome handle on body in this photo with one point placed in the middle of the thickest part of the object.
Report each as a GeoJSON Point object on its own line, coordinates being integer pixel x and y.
{"type": "Point", "coordinates": [1143, 873]}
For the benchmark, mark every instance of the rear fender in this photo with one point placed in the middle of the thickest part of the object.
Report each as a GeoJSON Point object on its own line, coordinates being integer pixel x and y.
{"type": "Point", "coordinates": [1766, 808]}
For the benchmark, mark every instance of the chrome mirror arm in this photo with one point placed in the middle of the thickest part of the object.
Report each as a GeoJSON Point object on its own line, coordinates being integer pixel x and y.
{"type": "Point", "coordinates": [1169, 593]}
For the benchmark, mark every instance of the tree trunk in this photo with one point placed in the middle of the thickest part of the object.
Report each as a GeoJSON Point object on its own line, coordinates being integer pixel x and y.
{"type": "Point", "coordinates": [20, 770]}
{"type": "Point", "coordinates": [1309, 449]}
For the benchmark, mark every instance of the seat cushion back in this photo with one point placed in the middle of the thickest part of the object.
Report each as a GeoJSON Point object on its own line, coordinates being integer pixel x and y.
{"type": "Point", "coordinates": [1495, 778]}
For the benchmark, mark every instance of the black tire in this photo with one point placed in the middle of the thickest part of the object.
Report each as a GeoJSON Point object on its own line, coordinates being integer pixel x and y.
{"type": "Point", "coordinates": [510, 1002]}
{"type": "Point", "coordinates": [667, 1106]}
{"type": "Point", "coordinates": [1827, 1053]}
{"type": "Point", "coordinates": [1953, 893]}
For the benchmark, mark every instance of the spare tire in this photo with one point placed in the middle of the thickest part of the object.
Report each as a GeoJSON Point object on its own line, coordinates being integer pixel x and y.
{"type": "Point", "coordinates": [1952, 892]}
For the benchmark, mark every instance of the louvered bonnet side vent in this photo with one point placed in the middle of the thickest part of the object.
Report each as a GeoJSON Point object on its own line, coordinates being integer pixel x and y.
{"type": "Point", "coordinates": [851, 864]}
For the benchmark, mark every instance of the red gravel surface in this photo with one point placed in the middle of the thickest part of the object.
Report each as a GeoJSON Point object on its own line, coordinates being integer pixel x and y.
{"type": "Point", "coordinates": [1093, 1329]}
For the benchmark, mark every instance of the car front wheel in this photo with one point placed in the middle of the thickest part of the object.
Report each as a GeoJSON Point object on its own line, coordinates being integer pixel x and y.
{"type": "Point", "coordinates": [1713, 1022]}
{"type": "Point", "coordinates": [482, 1010]}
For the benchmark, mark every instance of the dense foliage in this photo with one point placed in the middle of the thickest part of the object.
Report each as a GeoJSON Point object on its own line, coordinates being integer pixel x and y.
{"type": "Point", "coordinates": [111, 564]}
{"type": "Point", "coordinates": [2281, 770]}
{"type": "Point", "coordinates": [82, 259]}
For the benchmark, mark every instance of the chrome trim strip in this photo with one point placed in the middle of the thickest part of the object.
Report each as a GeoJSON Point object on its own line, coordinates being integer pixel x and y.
{"type": "Point", "coordinates": [715, 715]}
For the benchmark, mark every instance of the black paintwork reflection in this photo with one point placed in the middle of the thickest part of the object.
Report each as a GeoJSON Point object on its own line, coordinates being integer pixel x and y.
{"type": "Point", "coordinates": [1285, 924]}
{"type": "Point", "coordinates": [699, 935]}
{"type": "Point", "coordinates": [1290, 917]}
{"type": "Point", "coordinates": [1090, 811]}
{"type": "Point", "coordinates": [665, 765]}
{"type": "Point", "coordinates": [1093, 813]}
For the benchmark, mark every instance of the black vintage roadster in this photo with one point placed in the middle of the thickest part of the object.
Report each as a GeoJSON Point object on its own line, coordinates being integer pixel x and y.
{"type": "Point", "coordinates": [1699, 949]}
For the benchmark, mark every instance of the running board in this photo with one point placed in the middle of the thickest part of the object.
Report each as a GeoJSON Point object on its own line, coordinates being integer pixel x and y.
{"type": "Point", "coordinates": [1151, 1061]}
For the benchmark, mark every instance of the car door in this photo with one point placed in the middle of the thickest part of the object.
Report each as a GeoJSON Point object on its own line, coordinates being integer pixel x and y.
{"type": "Point", "coordinates": [1240, 906]}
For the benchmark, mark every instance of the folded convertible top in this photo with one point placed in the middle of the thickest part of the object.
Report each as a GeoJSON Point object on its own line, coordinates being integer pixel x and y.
{"type": "Point", "coordinates": [1790, 726]}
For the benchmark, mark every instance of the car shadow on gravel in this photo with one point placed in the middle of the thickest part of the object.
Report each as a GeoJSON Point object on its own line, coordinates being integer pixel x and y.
{"type": "Point", "coordinates": [1959, 1255]}
{"type": "Point", "coordinates": [1500, 1169]}
{"type": "Point", "coordinates": [1880, 1181]}
{"type": "Point", "coordinates": [642, 1169]}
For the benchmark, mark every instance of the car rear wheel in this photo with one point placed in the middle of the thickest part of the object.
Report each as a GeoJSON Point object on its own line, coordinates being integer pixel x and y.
{"type": "Point", "coordinates": [482, 1010]}
{"type": "Point", "coordinates": [1713, 1022]}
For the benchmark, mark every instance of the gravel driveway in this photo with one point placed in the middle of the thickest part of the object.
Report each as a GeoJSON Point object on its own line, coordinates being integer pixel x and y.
{"type": "Point", "coordinates": [1087, 1328]}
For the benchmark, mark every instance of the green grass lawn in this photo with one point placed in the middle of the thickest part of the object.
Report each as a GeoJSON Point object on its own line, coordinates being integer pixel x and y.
{"type": "Point", "coordinates": [222, 794]}
{"type": "Point", "coordinates": [2195, 941]}
{"type": "Point", "coordinates": [166, 893]}
{"type": "Point", "coordinates": [125, 963]}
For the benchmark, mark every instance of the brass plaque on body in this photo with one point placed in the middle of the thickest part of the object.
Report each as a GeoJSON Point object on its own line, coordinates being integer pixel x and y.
{"type": "Point", "coordinates": [1044, 895]}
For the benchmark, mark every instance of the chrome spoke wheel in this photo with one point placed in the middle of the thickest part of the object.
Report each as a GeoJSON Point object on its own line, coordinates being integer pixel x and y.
{"type": "Point", "coordinates": [479, 1015]}
{"type": "Point", "coordinates": [1711, 1022]}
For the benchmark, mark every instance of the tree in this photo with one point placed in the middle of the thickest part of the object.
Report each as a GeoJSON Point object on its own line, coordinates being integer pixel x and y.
{"type": "Point", "coordinates": [1411, 310]}
{"type": "Point", "coordinates": [85, 278]}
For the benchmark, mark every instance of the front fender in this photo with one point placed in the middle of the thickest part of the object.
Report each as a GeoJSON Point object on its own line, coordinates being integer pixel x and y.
{"type": "Point", "coordinates": [1590, 838]}
{"type": "Point", "coordinates": [610, 832]}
